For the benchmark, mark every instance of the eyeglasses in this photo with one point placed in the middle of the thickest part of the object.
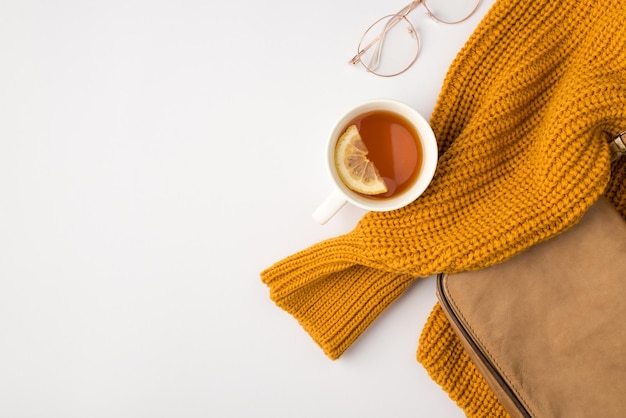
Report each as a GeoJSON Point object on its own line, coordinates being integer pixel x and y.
{"type": "Point", "coordinates": [396, 30]}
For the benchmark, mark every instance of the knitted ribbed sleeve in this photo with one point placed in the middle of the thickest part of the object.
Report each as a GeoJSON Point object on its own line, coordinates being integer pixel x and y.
{"type": "Point", "coordinates": [522, 122]}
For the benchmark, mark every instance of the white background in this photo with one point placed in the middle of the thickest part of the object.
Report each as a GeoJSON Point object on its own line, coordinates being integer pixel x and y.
{"type": "Point", "coordinates": [155, 156]}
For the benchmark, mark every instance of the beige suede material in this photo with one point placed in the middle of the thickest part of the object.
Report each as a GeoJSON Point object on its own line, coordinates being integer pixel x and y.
{"type": "Point", "coordinates": [551, 321]}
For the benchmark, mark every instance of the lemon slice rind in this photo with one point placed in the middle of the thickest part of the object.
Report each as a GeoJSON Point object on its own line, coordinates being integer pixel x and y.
{"type": "Point", "coordinates": [356, 171]}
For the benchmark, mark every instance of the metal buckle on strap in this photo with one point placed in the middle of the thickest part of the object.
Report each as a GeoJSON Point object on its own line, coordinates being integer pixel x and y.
{"type": "Point", "coordinates": [618, 146]}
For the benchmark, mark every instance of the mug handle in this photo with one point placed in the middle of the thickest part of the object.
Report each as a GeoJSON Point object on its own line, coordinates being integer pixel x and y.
{"type": "Point", "coordinates": [329, 207]}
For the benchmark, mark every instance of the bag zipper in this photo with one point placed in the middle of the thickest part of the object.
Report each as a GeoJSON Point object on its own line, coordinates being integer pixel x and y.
{"type": "Point", "coordinates": [466, 336]}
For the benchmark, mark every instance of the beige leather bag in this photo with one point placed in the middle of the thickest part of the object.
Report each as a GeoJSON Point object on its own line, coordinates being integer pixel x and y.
{"type": "Point", "coordinates": [547, 329]}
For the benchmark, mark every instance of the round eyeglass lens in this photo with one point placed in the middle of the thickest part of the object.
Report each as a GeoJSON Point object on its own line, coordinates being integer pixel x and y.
{"type": "Point", "coordinates": [451, 11]}
{"type": "Point", "coordinates": [390, 46]}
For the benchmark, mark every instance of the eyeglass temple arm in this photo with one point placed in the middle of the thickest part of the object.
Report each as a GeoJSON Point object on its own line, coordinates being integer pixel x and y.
{"type": "Point", "coordinates": [380, 38]}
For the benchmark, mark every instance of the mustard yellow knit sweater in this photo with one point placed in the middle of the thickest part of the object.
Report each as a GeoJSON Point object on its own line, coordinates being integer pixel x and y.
{"type": "Point", "coordinates": [522, 123]}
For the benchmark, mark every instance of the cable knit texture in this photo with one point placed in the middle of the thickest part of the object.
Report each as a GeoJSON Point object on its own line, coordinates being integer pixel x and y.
{"type": "Point", "coordinates": [522, 123]}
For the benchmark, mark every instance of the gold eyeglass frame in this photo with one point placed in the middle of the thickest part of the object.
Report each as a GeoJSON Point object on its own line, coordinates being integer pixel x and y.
{"type": "Point", "coordinates": [394, 19]}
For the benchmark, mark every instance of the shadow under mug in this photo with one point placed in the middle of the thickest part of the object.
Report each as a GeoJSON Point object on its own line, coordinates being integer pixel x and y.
{"type": "Point", "coordinates": [342, 194]}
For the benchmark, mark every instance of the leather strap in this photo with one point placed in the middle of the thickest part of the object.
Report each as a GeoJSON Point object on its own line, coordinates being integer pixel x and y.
{"type": "Point", "coordinates": [618, 146]}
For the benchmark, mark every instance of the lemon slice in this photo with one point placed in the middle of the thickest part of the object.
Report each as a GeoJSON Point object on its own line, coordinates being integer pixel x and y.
{"type": "Point", "coordinates": [354, 168]}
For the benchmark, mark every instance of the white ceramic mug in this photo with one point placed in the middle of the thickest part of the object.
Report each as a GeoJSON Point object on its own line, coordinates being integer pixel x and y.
{"type": "Point", "coordinates": [342, 194]}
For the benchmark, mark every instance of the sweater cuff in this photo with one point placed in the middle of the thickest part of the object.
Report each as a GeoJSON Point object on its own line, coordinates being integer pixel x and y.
{"type": "Point", "coordinates": [335, 309]}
